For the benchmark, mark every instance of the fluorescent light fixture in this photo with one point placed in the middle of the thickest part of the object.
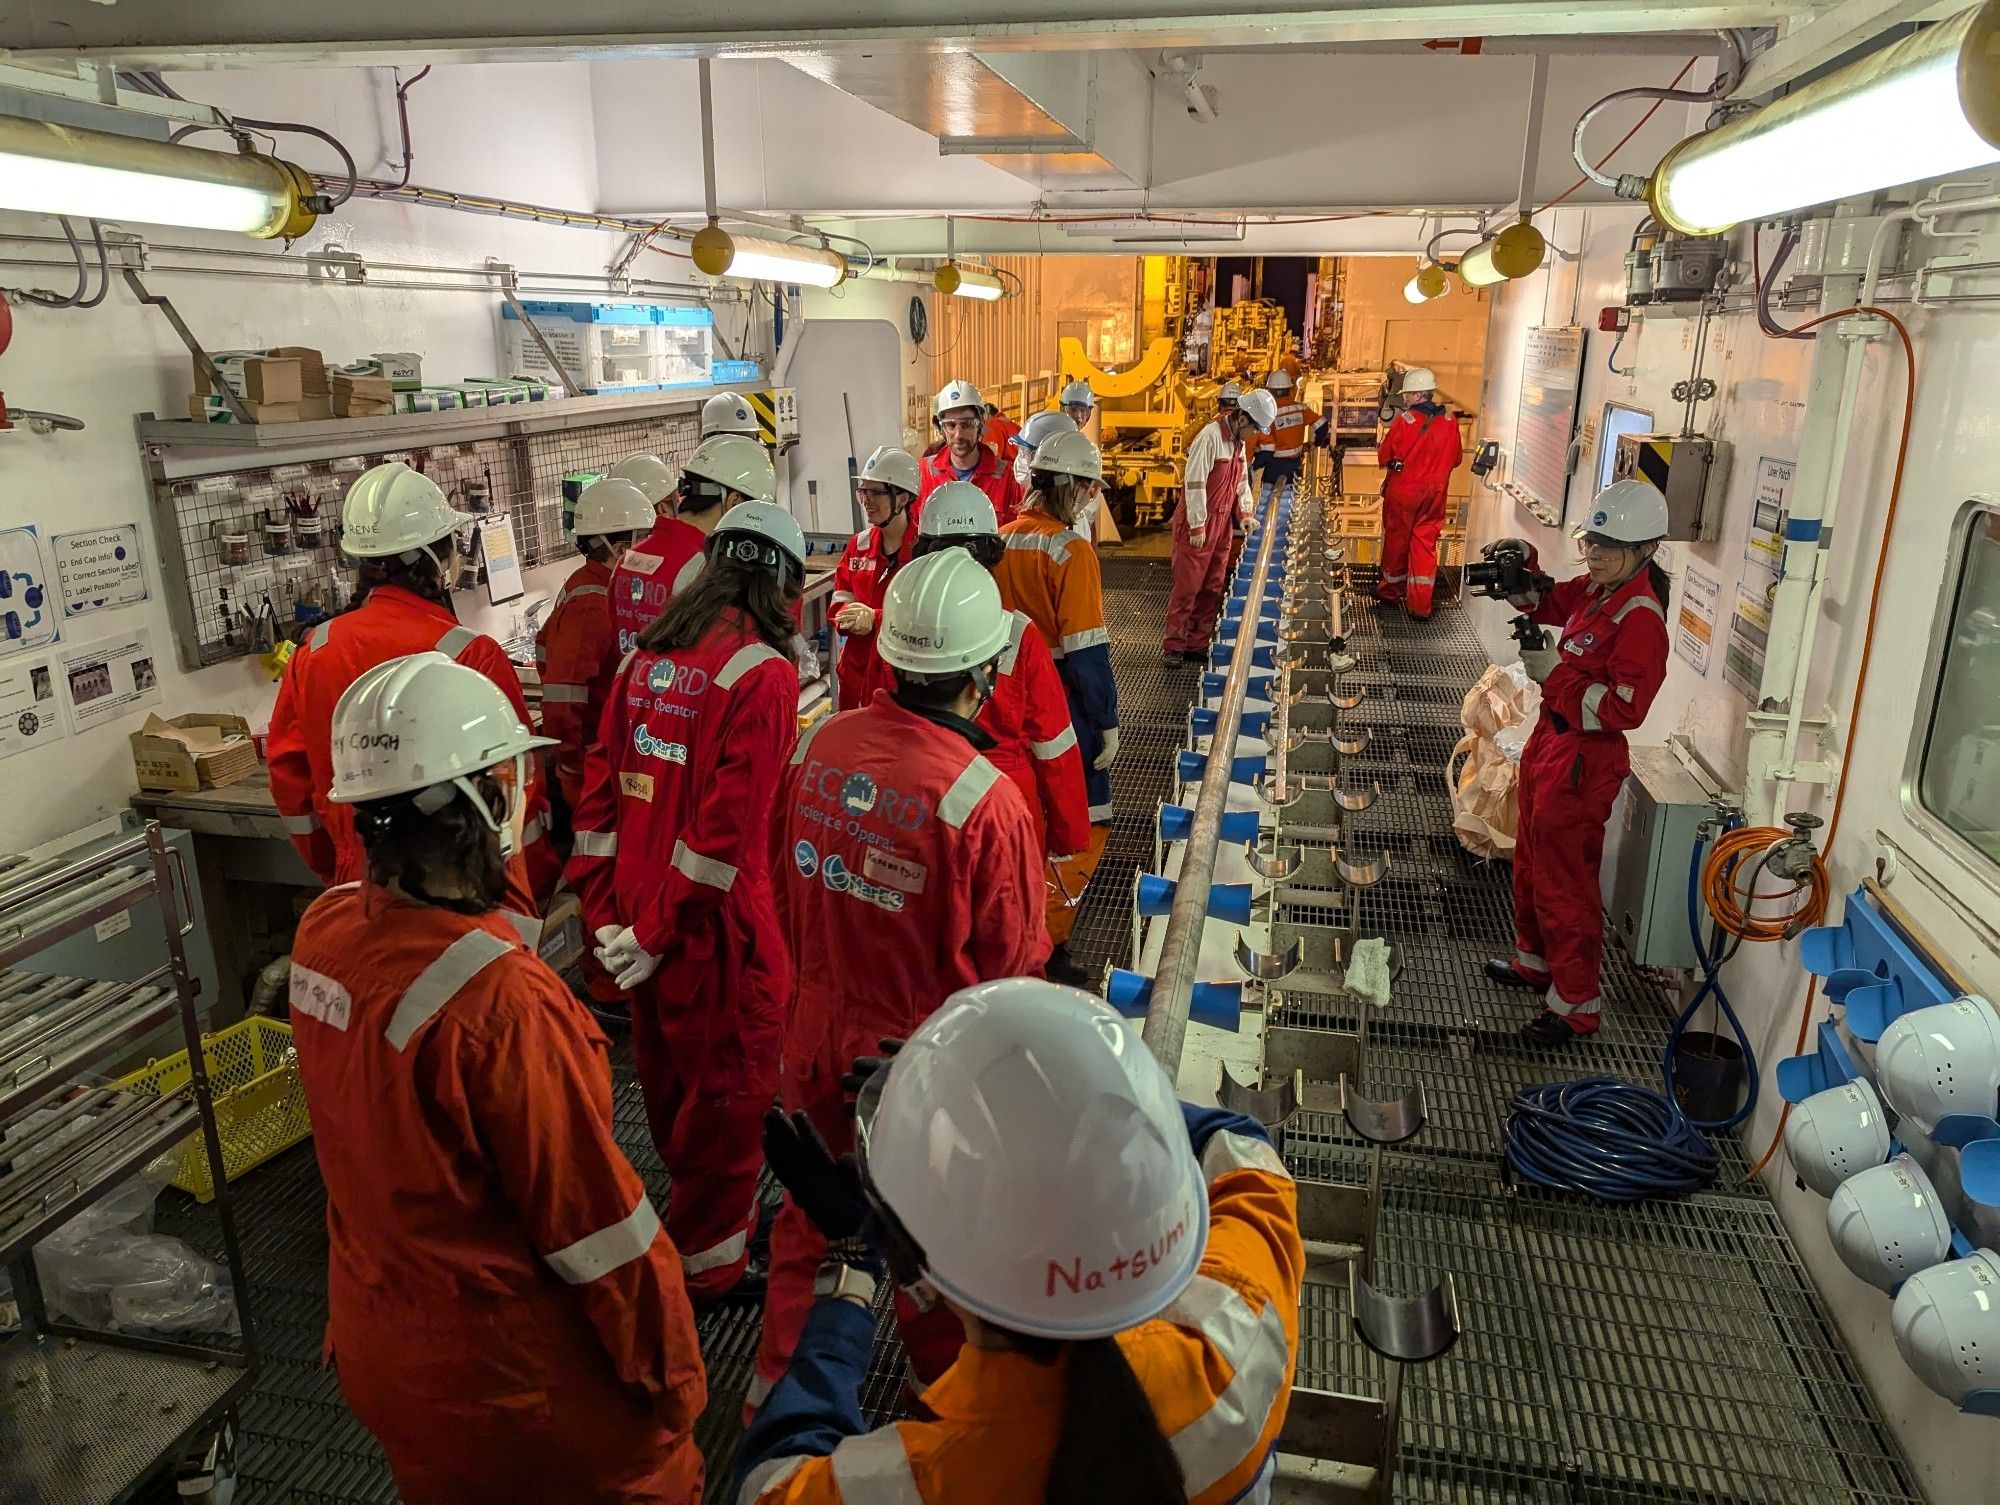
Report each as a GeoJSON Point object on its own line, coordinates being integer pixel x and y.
{"type": "Point", "coordinates": [1430, 282]}
{"type": "Point", "coordinates": [1476, 268]}
{"type": "Point", "coordinates": [1926, 107]}
{"type": "Point", "coordinates": [50, 169]}
{"type": "Point", "coordinates": [1516, 251]}
{"type": "Point", "coordinates": [752, 258]}
{"type": "Point", "coordinates": [967, 282]}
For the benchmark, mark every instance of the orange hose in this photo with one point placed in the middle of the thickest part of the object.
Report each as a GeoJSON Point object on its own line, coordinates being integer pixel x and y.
{"type": "Point", "coordinates": [1733, 903]}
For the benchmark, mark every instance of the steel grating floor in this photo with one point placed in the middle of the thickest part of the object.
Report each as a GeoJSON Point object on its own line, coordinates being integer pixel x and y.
{"type": "Point", "coordinates": [1671, 1353]}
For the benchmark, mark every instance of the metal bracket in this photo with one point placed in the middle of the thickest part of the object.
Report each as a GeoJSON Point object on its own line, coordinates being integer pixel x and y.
{"type": "Point", "coordinates": [333, 264]}
{"type": "Point", "coordinates": [1272, 1105]}
{"type": "Point", "coordinates": [202, 362]}
{"type": "Point", "coordinates": [509, 285]}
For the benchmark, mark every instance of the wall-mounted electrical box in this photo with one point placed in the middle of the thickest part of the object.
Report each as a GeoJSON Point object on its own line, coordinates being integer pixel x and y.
{"type": "Point", "coordinates": [1647, 848]}
{"type": "Point", "coordinates": [1691, 473]}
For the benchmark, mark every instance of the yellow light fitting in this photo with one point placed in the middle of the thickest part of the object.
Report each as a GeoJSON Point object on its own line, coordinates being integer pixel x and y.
{"type": "Point", "coordinates": [752, 258]}
{"type": "Point", "coordinates": [967, 282]}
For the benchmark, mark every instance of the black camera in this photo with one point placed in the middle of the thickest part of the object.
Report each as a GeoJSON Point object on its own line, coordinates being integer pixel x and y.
{"type": "Point", "coordinates": [1503, 571]}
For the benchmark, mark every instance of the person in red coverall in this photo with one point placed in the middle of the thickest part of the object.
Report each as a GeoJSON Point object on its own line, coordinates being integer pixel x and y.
{"type": "Point", "coordinates": [1599, 674]}
{"type": "Point", "coordinates": [671, 867]}
{"type": "Point", "coordinates": [505, 1313]}
{"type": "Point", "coordinates": [960, 414]}
{"type": "Point", "coordinates": [1035, 742]}
{"type": "Point", "coordinates": [1420, 450]}
{"type": "Point", "coordinates": [999, 431]}
{"type": "Point", "coordinates": [400, 531]}
{"type": "Point", "coordinates": [907, 866]}
{"type": "Point", "coordinates": [887, 492]}
{"type": "Point", "coordinates": [1215, 493]}
{"type": "Point", "coordinates": [576, 639]}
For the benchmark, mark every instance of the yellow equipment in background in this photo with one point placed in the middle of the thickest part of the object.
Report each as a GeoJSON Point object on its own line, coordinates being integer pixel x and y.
{"type": "Point", "coordinates": [1142, 422]}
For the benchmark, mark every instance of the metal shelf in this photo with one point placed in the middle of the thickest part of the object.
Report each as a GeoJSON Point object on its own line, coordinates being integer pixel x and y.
{"type": "Point", "coordinates": [45, 900]}
{"type": "Point", "coordinates": [52, 1027]}
{"type": "Point", "coordinates": [125, 1132]}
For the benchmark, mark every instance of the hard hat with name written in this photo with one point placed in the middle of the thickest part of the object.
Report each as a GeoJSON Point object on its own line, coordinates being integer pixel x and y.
{"type": "Point", "coordinates": [422, 720]}
{"type": "Point", "coordinates": [650, 474]}
{"type": "Point", "coordinates": [392, 509]}
{"type": "Point", "coordinates": [1042, 427]}
{"type": "Point", "coordinates": [942, 615]}
{"type": "Point", "coordinates": [751, 531]}
{"type": "Point", "coordinates": [1070, 455]}
{"type": "Point", "coordinates": [958, 509]}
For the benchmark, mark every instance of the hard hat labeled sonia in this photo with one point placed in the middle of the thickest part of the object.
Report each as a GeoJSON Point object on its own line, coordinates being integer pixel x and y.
{"type": "Point", "coordinates": [737, 464]}
{"type": "Point", "coordinates": [1419, 379]}
{"type": "Point", "coordinates": [728, 413]}
{"type": "Point", "coordinates": [1260, 407]}
{"type": "Point", "coordinates": [1070, 455]}
{"type": "Point", "coordinates": [393, 509]}
{"type": "Point", "coordinates": [420, 720]}
{"type": "Point", "coordinates": [1836, 1133]}
{"type": "Point", "coordinates": [1942, 1059]}
{"type": "Point", "coordinates": [942, 615]}
{"type": "Point", "coordinates": [1627, 511]}
{"type": "Point", "coordinates": [751, 530]}
{"type": "Point", "coordinates": [957, 394]}
{"type": "Point", "coordinates": [1078, 394]}
{"type": "Point", "coordinates": [890, 466]}
{"type": "Point", "coordinates": [1042, 427]}
{"type": "Point", "coordinates": [612, 505]}
{"type": "Point", "coordinates": [958, 509]}
{"type": "Point", "coordinates": [1036, 1153]}
{"type": "Point", "coordinates": [1947, 1325]}
{"type": "Point", "coordinates": [649, 473]}
{"type": "Point", "coordinates": [1886, 1223]}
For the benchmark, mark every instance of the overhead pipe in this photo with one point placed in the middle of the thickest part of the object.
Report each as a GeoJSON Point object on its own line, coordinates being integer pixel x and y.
{"type": "Point", "coordinates": [1630, 185]}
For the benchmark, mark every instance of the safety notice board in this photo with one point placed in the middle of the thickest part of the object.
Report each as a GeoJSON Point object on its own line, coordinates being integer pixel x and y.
{"type": "Point", "coordinates": [1551, 372]}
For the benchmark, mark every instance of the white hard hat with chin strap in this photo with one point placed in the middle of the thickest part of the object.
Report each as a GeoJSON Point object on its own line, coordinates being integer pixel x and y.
{"type": "Point", "coordinates": [649, 473]}
{"type": "Point", "coordinates": [896, 469]}
{"type": "Point", "coordinates": [728, 413]}
{"type": "Point", "coordinates": [395, 512]}
{"type": "Point", "coordinates": [1261, 408]}
{"type": "Point", "coordinates": [942, 616]}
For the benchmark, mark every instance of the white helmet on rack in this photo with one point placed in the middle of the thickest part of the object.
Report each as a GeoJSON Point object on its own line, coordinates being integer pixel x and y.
{"type": "Point", "coordinates": [1942, 1059]}
{"type": "Point", "coordinates": [890, 466]}
{"type": "Point", "coordinates": [393, 510]}
{"type": "Point", "coordinates": [650, 474]}
{"type": "Point", "coordinates": [736, 464]}
{"type": "Point", "coordinates": [1037, 1157]}
{"type": "Point", "coordinates": [958, 509]}
{"type": "Point", "coordinates": [942, 616]}
{"type": "Point", "coordinates": [1077, 395]}
{"type": "Point", "coordinates": [1947, 1325]}
{"type": "Point", "coordinates": [1042, 427]}
{"type": "Point", "coordinates": [1886, 1223]}
{"type": "Point", "coordinates": [1070, 455]}
{"type": "Point", "coordinates": [1836, 1133]}
{"type": "Point", "coordinates": [612, 505]}
{"type": "Point", "coordinates": [728, 413]}
{"type": "Point", "coordinates": [1627, 511]}
{"type": "Point", "coordinates": [1261, 408]}
{"type": "Point", "coordinates": [1419, 379]}
{"type": "Point", "coordinates": [957, 394]}
{"type": "Point", "coordinates": [757, 533]}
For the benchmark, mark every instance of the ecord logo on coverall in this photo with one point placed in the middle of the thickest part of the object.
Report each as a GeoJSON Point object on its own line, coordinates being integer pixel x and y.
{"type": "Point", "coordinates": [873, 813]}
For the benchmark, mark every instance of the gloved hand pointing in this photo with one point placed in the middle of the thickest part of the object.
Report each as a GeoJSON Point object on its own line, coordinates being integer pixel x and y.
{"type": "Point", "coordinates": [626, 960]}
{"type": "Point", "coordinates": [1541, 662]}
{"type": "Point", "coordinates": [1109, 755]}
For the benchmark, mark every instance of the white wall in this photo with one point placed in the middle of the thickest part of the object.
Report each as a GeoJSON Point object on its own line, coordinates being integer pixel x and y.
{"type": "Point", "coordinates": [1760, 409]}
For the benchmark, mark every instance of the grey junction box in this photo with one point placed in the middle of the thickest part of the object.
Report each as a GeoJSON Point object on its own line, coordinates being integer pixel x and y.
{"type": "Point", "coordinates": [1647, 847]}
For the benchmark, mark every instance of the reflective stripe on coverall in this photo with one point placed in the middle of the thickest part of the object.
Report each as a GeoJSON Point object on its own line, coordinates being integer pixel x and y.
{"type": "Point", "coordinates": [1217, 1365]}
{"type": "Point", "coordinates": [573, 650]}
{"type": "Point", "coordinates": [906, 867]}
{"type": "Point", "coordinates": [1613, 662]}
{"type": "Point", "coordinates": [392, 622]}
{"type": "Point", "coordinates": [991, 474]}
{"type": "Point", "coordinates": [1215, 489]}
{"type": "Point", "coordinates": [1427, 442]}
{"type": "Point", "coordinates": [866, 567]}
{"type": "Point", "coordinates": [1281, 452]}
{"type": "Point", "coordinates": [672, 839]}
{"type": "Point", "coordinates": [505, 1313]}
{"type": "Point", "coordinates": [654, 570]}
{"type": "Point", "coordinates": [1034, 741]}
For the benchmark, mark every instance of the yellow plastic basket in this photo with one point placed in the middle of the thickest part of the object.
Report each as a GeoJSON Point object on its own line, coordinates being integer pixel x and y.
{"type": "Point", "coordinates": [260, 1106]}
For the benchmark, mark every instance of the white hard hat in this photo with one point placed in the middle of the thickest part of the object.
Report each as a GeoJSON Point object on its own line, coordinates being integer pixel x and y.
{"type": "Point", "coordinates": [728, 413]}
{"type": "Point", "coordinates": [1942, 1059]}
{"type": "Point", "coordinates": [942, 616]}
{"type": "Point", "coordinates": [1279, 381]}
{"type": "Point", "coordinates": [1232, 391]}
{"type": "Point", "coordinates": [958, 509]}
{"type": "Point", "coordinates": [1419, 379]}
{"type": "Point", "coordinates": [1070, 455]}
{"type": "Point", "coordinates": [1036, 1153]}
{"type": "Point", "coordinates": [420, 720]}
{"type": "Point", "coordinates": [1886, 1223]}
{"type": "Point", "coordinates": [650, 474]}
{"type": "Point", "coordinates": [1078, 392]}
{"type": "Point", "coordinates": [1835, 1133]}
{"type": "Point", "coordinates": [1627, 511]}
{"type": "Point", "coordinates": [1260, 407]}
{"type": "Point", "coordinates": [957, 394]}
{"type": "Point", "coordinates": [741, 465]}
{"type": "Point", "coordinates": [1947, 1325]}
{"type": "Point", "coordinates": [769, 525]}
{"type": "Point", "coordinates": [393, 509]}
{"type": "Point", "coordinates": [1042, 427]}
{"type": "Point", "coordinates": [612, 505]}
{"type": "Point", "coordinates": [890, 466]}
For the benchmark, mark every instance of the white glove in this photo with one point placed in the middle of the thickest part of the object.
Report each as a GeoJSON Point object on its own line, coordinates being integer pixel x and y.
{"type": "Point", "coordinates": [626, 960]}
{"type": "Point", "coordinates": [855, 619]}
{"type": "Point", "coordinates": [1541, 662]}
{"type": "Point", "coordinates": [1109, 755]}
{"type": "Point", "coordinates": [606, 934]}
{"type": "Point", "coordinates": [1198, 537]}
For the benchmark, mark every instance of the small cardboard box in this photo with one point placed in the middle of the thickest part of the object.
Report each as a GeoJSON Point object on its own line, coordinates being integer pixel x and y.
{"type": "Point", "coordinates": [313, 408]}
{"type": "Point", "coordinates": [201, 750]}
{"type": "Point", "coordinates": [312, 367]}
{"type": "Point", "coordinates": [273, 379]}
{"type": "Point", "coordinates": [361, 396]}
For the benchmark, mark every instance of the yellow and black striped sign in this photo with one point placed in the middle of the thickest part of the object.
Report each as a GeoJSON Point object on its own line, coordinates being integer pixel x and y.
{"type": "Point", "coordinates": [1652, 459]}
{"type": "Point", "coordinates": [764, 405]}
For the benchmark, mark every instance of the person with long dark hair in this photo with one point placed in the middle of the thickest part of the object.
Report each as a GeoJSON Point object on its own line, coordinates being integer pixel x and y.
{"type": "Point", "coordinates": [670, 862]}
{"type": "Point", "coordinates": [504, 1311]}
{"type": "Point", "coordinates": [1127, 1269]}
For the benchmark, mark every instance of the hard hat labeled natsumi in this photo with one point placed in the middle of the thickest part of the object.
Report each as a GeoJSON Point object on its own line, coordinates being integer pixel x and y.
{"type": "Point", "coordinates": [942, 616]}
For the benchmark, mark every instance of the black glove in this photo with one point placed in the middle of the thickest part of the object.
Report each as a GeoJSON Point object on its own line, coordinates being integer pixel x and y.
{"type": "Point", "coordinates": [868, 1070]}
{"type": "Point", "coordinates": [827, 1191]}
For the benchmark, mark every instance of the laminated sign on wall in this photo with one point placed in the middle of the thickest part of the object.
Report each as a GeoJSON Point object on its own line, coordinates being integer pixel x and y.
{"type": "Point", "coordinates": [99, 567]}
{"type": "Point", "coordinates": [28, 618]}
{"type": "Point", "coordinates": [30, 714]}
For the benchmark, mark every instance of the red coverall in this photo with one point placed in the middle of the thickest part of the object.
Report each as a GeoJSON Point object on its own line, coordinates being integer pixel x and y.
{"type": "Point", "coordinates": [573, 651]}
{"type": "Point", "coordinates": [654, 570]}
{"type": "Point", "coordinates": [1426, 440]}
{"type": "Point", "coordinates": [907, 868]}
{"type": "Point", "coordinates": [504, 1310]}
{"type": "Point", "coordinates": [999, 430]}
{"type": "Point", "coordinates": [392, 622]}
{"type": "Point", "coordinates": [992, 475]}
{"type": "Point", "coordinates": [1215, 488]}
{"type": "Point", "coordinates": [671, 840]}
{"type": "Point", "coordinates": [866, 567]}
{"type": "Point", "coordinates": [1034, 741]}
{"type": "Point", "coordinates": [1614, 659]}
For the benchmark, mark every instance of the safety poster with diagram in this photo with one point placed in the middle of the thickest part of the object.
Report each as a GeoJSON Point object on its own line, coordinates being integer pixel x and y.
{"type": "Point", "coordinates": [99, 567]}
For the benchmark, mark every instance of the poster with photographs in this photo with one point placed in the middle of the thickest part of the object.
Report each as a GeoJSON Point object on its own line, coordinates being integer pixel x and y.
{"type": "Point", "coordinates": [105, 680]}
{"type": "Point", "coordinates": [30, 715]}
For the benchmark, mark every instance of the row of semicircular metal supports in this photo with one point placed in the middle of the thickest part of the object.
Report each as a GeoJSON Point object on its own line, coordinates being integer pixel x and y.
{"type": "Point", "coordinates": [1287, 830]}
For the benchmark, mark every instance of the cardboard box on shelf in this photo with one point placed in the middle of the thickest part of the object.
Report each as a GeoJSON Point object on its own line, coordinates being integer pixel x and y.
{"type": "Point", "coordinates": [312, 408]}
{"type": "Point", "coordinates": [200, 750]}
{"type": "Point", "coordinates": [361, 396]}
{"type": "Point", "coordinates": [312, 367]}
{"type": "Point", "coordinates": [215, 409]}
{"type": "Point", "coordinates": [270, 379]}
{"type": "Point", "coordinates": [229, 365]}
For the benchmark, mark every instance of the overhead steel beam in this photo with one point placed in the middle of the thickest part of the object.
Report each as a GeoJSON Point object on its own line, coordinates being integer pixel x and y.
{"type": "Point", "coordinates": [1812, 42]}
{"type": "Point", "coordinates": [241, 33]}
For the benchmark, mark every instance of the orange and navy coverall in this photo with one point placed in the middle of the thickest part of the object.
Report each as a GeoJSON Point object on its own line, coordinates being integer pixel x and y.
{"type": "Point", "coordinates": [1613, 662]}
{"type": "Point", "coordinates": [990, 474]}
{"type": "Point", "coordinates": [1217, 1366]}
{"type": "Point", "coordinates": [1280, 453]}
{"type": "Point", "coordinates": [504, 1310]}
{"type": "Point", "coordinates": [1425, 445]}
{"type": "Point", "coordinates": [573, 651]}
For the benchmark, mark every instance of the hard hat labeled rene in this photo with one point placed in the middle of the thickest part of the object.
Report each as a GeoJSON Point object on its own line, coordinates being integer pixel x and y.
{"type": "Point", "coordinates": [1042, 427]}
{"type": "Point", "coordinates": [1836, 1133]}
{"type": "Point", "coordinates": [1947, 1325]}
{"type": "Point", "coordinates": [958, 509]}
{"type": "Point", "coordinates": [890, 466]}
{"type": "Point", "coordinates": [1886, 1223]}
{"type": "Point", "coordinates": [649, 473]}
{"type": "Point", "coordinates": [392, 509]}
{"type": "Point", "coordinates": [612, 505]}
{"type": "Point", "coordinates": [1939, 1060]}
{"type": "Point", "coordinates": [1261, 408]}
{"type": "Point", "coordinates": [420, 720]}
{"type": "Point", "coordinates": [728, 413]}
{"type": "Point", "coordinates": [957, 394]}
{"type": "Point", "coordinates": [764, 523]}
{"type": "Point", "coordinates": [1627, 511]}
{"type": "Point", "coordinates": [1036, 1153]}
{"type": "Point", "coordinates": [1070, 455]}
{"type": "Point", "coordinates": [942, 615]}
{"type": "Point", "coordinates": [738, 464]}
